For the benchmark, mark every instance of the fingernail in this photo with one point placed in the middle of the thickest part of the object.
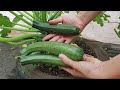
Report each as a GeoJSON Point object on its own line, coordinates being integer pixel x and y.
{"type": "Point", "coordinates": [62, 67]}
{"type": "Point", "coordinates": [60, 55]}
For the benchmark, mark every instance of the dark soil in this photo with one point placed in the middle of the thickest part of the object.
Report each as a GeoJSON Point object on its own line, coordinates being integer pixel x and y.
{"type": "Point", "coordinates": [86, 48]}
{"type": "Point", "coordinates": [56, 71]}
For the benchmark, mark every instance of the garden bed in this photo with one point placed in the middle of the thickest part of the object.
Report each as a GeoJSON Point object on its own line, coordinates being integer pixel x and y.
{"type": "Point", "coordinates": [8, 55]}
{"type": "Point", "coordinates": [45, 71]}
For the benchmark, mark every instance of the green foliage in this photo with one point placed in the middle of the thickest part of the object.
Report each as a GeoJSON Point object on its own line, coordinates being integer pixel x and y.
{"type": "Point", "coordinates": [5, 21]}
{"type": "Point", "coordinates": [45, 16]}
{"type": "Point", "coordinates": [117, 30]}
{"type": "Point", "coordinates": [100, 19]}
{"type": "Point", "coordinates": [118, 26]}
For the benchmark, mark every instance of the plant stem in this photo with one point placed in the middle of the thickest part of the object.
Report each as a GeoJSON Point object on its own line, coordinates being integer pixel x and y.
{"type": "Point", "coordinates": [28, 14]}
{"type": "Point", "coordinates": [17, 29]}
{"type": "Point", "coordinates": [52, 16]}
{"type": "Point", "coordinates": [58, 14]}
{"type": "Point", "coordinates": [44, 16]}
{"type": "Point", "coordinates": [22, 42]}
{"type": "Point", "coordinates": [25, 16]}
{"type": "Point", "coordinates": [20, 18]}
{"type": "Point", "coordinates": [36, 15]}
{"type": "Point", "coordinates": [25, 36]}
{"type": "Point", "coordinates": [117, 33]}
{"type": "Point", "coordinates": [22, 25]}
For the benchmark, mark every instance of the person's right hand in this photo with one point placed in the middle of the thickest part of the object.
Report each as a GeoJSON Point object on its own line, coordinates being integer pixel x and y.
{"type": "Point", "coordinates": [71, 19]}
{"type": "Point", "coordinates": [89, 67]}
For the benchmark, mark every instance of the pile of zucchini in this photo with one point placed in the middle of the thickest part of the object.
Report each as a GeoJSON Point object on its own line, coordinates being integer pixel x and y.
{"type": "Point", "coordinates": [32, 55]}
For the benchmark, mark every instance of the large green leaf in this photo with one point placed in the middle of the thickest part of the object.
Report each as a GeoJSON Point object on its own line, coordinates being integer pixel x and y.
{"type": "Point", "coordinates": [5, 21]}
{"type": "Point", "coordinates": [101, 18]}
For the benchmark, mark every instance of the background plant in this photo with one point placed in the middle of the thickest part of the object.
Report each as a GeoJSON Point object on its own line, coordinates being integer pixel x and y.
{"type": "Point", "coordinates": [28, 17]}
{"type": "Point", "coordinates": [7, 26]}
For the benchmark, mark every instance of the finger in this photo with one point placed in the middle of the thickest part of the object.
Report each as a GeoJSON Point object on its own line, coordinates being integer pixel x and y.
{"type": "Point", "coordinates": [55, 38]}
{"type": "Point", "coordinates": [56, 21]}
{"type": "Point", "coordinates": [68, 61]}
{"type": "Point", "coordinates": [91, 59]}
{"type": "Point", "coordinates": [75, 45]}
{"type": "Point", "coordinates": [61, 40]}
{"type": "Point", "coordinates": [73, 72]}
{"type": "Point", "coordinates": [86, 55]}
{"type": "Point", "coordinates": [68, 41]}
{"type": "Point", "coordinates": [48, 37]}
{"type": "Point", "coordinates": [82, 66]}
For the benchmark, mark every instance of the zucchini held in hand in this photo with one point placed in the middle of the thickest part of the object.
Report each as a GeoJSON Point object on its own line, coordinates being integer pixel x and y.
{"type": "Point", "coordinates": [62, 29]}
{"type": "Point", "coordinates": [47, 59]}
{"type": "Point", "coordinates": [55, 48]}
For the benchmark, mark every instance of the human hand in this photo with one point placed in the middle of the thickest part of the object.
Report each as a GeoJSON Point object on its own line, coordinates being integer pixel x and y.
{"type": "Point", "coordinates": [88, 68]}
{"type": "Point", "coordinates": [71, 19]}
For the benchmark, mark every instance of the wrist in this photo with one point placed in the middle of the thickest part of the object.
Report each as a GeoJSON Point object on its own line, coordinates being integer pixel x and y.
{"type": "Point", "coordinates": [105, 71]}
{"type": "Point", "coordinates": [80, 23]}
{"type": "Point", "coordinates": [87, 16]}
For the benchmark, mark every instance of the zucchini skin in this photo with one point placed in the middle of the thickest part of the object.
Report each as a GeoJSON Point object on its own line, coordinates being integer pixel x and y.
{"type": "Point", "coordinates": [61, 29]}
{"type": "Point", "coordinates": [47, 59]}
{"type": "Point", "coordinates": [55, 48]}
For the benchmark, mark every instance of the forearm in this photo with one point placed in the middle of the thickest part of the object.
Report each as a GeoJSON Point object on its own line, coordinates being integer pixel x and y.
{"type": "Point", "coordinates": [111, 68]}
{"type": "Point", "coordinates": [87, 16]}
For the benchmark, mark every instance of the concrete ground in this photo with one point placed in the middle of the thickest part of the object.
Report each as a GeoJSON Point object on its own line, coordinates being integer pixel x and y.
{"type": "Point", "coordinates": [92, 31]}
{"type": "Point", "coordinates": [106, 33]}
{"type": "Point", "coordinates": [7, 61]}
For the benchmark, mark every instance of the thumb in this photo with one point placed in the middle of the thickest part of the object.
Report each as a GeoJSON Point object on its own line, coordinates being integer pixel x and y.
{"type": "Point", "coordinates": [68, 61]}
{"type": "Point", "coordinates": [91, 59]}
{"type": "Point", "coordinates": [56, 21]}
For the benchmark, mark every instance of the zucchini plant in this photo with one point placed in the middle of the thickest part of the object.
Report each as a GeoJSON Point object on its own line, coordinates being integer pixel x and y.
{"type": "Point", "coordinates": [117, 30]}
{"type": "Point", "coordinates": [7, 26]}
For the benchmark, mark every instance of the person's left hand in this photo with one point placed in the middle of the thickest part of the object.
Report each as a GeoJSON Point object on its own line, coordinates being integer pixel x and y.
{"type": "Point", "coordinates": [59, 38]}
{"type": "Point", "coordinates": [69, 19]}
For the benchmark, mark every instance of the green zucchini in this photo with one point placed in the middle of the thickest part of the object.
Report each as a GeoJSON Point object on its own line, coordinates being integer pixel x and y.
{"type": "Point", "coordinates": [62, 29]}
{"type": "Point", "coordinates": [46, 59]}
{"type": "Point", "coordinates": [55, 48]}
